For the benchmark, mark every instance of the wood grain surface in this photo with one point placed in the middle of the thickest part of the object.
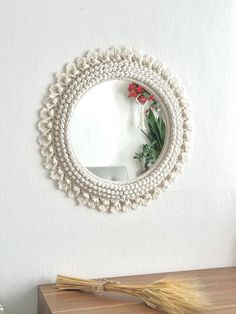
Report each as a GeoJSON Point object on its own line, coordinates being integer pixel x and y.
{"type": "Point", "coordinates": [220, 287]}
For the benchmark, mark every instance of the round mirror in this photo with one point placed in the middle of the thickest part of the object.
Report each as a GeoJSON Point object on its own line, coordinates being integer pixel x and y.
{"type": "Point", "coordinates": [117, 130]}
{"type": "Point", "coordinates": [114, 129]}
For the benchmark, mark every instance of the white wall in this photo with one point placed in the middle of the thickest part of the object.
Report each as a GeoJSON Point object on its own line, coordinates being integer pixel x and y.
{"type": "Point", "coordinates": [193, 224]}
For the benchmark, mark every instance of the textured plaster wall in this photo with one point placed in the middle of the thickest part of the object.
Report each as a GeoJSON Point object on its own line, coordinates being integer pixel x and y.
{"type": "Point", "coordinates": [193, 224]}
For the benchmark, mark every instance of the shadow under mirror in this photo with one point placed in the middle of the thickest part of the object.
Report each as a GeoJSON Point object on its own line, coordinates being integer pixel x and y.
{"type": "Point", "coordinates": [117, 130]}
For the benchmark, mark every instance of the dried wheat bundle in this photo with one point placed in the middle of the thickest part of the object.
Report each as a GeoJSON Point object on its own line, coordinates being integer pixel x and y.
{"type": "Point", "coordinates": [171, 294]}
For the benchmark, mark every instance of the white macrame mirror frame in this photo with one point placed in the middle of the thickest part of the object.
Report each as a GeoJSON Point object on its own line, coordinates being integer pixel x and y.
{"type": "Point", "coordinates": [80, 76]}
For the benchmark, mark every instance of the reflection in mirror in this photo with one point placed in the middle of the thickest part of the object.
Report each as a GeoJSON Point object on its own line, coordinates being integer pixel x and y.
{"type": "Point", "coordinates": [117, 130]}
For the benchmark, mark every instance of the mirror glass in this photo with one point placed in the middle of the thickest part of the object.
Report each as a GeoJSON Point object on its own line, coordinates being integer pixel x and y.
{"type": "Point", "coordinates": [117, 130]}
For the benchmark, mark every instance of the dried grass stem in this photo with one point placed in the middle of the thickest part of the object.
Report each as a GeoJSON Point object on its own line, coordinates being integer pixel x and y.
{"type": "Point", "coordinates": [171, 294]}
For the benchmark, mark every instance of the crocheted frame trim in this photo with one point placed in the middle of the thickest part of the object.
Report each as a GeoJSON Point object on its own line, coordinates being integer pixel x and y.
{"type": "Point", "coordinates": [80, 76]}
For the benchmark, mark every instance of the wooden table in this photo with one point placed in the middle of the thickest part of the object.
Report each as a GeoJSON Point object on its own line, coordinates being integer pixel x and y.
{"type": "Point", "coordinates": [221, 289]}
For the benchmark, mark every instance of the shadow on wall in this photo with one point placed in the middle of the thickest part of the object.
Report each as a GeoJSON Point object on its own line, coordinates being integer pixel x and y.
{"type": "Point", "coordinates": [234, 252]}
{"type": "Point", "coordinates": [22, 303]}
